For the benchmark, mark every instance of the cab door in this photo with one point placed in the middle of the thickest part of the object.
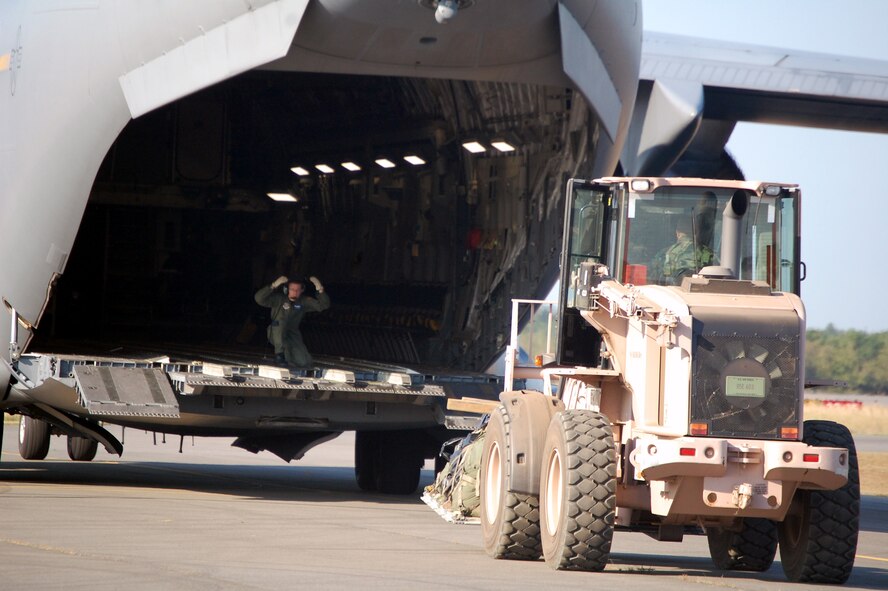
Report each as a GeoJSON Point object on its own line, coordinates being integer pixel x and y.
{"type": "Point", "coordinates": [587, 231]}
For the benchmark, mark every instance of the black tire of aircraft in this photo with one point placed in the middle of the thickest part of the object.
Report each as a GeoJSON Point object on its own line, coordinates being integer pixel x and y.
{"type": "Point", "coordinates": [818, 537]}
{"type": "Point", "coordinates": [752, 547]}
{"type": "Point", "coordinates": [578, 491]}
{"type": "Point", "coordinates": [399, 463]}
{"type": "Point", "coordinates": [388, 461]}
{"type": "Point", "coordinates": [366, 448]}
{"type": "Point", "coordinates": [510, 522]}
{"type": "Point", "coordinates": [33, 438]}
{"type": "Point", "coordinates": [82, 449]}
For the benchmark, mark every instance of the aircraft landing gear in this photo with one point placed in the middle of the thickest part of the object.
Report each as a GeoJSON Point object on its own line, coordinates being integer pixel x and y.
{"type": "Point", "coordinates": [82, 449]}
{"type": "Point", "coordinates": [388, 461]}
{"type": "Point", "coordinates": [33, 438]}
{"type": "Point", "coordinates": [366, 450]}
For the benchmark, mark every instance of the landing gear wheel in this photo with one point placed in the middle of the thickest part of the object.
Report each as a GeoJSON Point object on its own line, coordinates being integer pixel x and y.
{"type": "Point", "coordinates": [399, 463]}
{"type": "Point", "coordinates": [818, 536]}
{"type": "Point", "coordinates": [33, 438]}
{"type": "Point", "coordinates": [366, 457]}
{"type": "Point", "coordinates": [751, 548]}
{"type": "Point", "coordinates": [82, 449]}
{"type": "Point", "coordinates": [578, 491]}
{"type": "Point", "coordinates": [510, 522]}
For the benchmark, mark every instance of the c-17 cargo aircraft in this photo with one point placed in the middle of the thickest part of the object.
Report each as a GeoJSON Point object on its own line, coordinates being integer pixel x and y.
{"type": "Point", "coordinates": [160, 162]}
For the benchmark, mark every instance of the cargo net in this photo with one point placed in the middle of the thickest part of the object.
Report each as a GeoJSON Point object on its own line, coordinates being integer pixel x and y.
{"type": "Point", "coordinates": [769, 403]}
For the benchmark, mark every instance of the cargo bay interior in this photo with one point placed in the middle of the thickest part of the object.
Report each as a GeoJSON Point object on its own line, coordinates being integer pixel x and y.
{"type": "Point", "coordinates": [420, 242]}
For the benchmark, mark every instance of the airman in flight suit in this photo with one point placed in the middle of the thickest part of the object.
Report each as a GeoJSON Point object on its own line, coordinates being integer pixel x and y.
{"type": "Point", "coordinates": [288, 306]}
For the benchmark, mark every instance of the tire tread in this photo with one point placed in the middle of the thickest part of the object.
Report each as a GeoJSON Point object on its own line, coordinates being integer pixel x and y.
{"type": "Point", "coordinates": [590, 491]}
{"type": "Point", "coordinates": [519, 536]}
{"type": "Point", "coordinates": [826, 552]}
{"type": "Point", "coordinates": [753, 548]}
{"type": "Point", "coordinates": [36, 442]}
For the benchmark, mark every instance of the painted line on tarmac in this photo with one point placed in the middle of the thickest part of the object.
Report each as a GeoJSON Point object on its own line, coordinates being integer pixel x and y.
{"type": "Point", "coordinates": [872, 558]}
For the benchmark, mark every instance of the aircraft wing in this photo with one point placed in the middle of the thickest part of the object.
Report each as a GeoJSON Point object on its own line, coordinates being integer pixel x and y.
{"type": "Point", "coordinates": [774, 85]}
{"type": "Point", "coordinates": [703, 87]}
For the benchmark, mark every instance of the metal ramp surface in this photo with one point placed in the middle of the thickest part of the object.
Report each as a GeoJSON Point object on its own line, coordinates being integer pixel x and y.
{"type": "Point", "coordinates": [125, 391]}
{"type": "Point", "coordinates": [151, 386]}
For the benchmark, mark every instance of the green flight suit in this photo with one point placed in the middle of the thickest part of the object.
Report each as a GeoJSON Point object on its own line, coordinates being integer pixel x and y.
{"type": "Point", "coordinates": [679, 260]}
{"type": "Point", "coordinates": [286, 315]}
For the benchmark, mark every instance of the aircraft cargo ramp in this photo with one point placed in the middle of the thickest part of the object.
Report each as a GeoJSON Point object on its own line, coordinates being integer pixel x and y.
{"type": "Point", "coordinates": [397, 412]}
{"type": "Point", "coordinates": [107, 387]}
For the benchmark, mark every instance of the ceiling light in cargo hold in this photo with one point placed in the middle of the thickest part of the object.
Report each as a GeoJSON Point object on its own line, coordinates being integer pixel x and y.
{"type": "Point", "coordinates": [414, 160]}
{"type": "Point", "coordinates": [300, 171]}
{"type": "Point", "coordinates": [325, 168]}
{"type": "Point", "coordinates": [385, 163]}
{"type": "Point", "coordinates": [284, 197]}
{"type": "Point", "coordinates": [474, 147]}
{"type": "Point", "coordinates": [351, 166]}
{"type": "Point", "coordinates": [502, 145]}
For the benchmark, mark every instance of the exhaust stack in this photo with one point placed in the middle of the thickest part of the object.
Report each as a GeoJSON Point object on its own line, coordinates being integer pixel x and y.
{"type": "Point", "coordinates": [732, 231]}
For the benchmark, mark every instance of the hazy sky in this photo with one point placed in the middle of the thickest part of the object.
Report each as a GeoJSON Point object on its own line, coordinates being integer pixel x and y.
{"type": "Point", "coordinates": [844, 190]}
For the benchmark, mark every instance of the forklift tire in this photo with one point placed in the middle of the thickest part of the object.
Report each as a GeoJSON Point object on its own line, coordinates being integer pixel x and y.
{"type": "Point", "coordinates": [366, 457]}
{"type": "Point", "coordinates": [399, 463]}
{"type": "Point", "coordinates": [510, 522]}
{"type": "Point", "coordinates": [578, 491]}
{"type": "Point", "coordinates": [751, 548]}
{"type": "Point", "coordinates": [33, 438]}
{"type": "Point", "coordinates": [818, 536]}
{"type": "Point", "coordinates": [82, 449]}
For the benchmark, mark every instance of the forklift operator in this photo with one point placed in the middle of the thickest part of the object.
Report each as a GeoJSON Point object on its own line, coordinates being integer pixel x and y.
{"type": "Point", "coordinates": [288, 306]}
{"type": "Point", "coordinates": [684, 258]}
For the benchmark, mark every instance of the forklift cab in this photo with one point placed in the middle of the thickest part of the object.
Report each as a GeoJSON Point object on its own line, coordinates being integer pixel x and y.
{"type": "Point", "coordinates": [656, 231]}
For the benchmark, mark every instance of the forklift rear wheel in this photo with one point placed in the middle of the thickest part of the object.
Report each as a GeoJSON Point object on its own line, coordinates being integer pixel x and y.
{"type": "Point", "coordinates": [818, 536]}
{"type": "Point", "coordinates": [752, 547]}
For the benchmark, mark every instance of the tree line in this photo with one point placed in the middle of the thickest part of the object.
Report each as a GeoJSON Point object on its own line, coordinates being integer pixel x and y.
{"type": "Point", "coordinates": [852, 356]}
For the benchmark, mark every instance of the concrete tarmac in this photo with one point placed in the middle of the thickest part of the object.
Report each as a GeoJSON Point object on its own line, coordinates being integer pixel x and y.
{"type": "Point", "coordinates": [216, 517]}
